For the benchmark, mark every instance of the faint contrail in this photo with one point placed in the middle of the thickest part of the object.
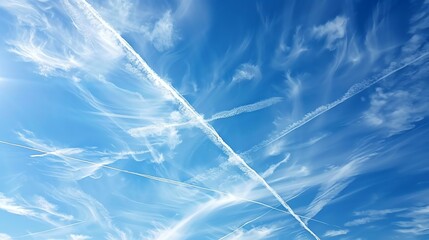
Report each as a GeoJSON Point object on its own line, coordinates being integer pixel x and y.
{"type": "Point", "coordinates": [209, 130]}
{"type": "Point", "coordinates": [158, 179]}
{"type": "Point", "coordinates": [135, 132]}
{"type": "Point", "coordinates": [354, 90]}
{"type": "Point", "coordinates": [48, 230]}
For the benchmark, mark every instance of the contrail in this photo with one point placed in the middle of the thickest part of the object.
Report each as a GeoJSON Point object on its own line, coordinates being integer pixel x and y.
{"type": "Point", "coordinates": [49, 230]}
{"type": "Point", "coordinates": [209, 130]}
{"type": "Point", "coordinates": [354, 90]}
{"type": "Point", "coordinates": [220, 115]}
{"type": "Point", "coordinates": [158, 179]}
{"type": "Point", "coordinates": [246, 108]}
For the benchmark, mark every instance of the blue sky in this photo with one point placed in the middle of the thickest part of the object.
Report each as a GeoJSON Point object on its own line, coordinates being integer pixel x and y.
{"type": "Point", "coordinates": [127, 119]}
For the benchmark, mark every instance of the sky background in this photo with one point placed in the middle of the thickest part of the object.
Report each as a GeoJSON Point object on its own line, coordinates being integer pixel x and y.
{"type": "Point", "coordinates": [127, 119]}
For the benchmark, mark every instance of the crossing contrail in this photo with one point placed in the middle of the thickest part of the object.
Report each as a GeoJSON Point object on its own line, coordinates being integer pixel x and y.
{"type": "Point", "coordinates": [353, 91]}
{"type": "Point", "coordinates": [135, 58]}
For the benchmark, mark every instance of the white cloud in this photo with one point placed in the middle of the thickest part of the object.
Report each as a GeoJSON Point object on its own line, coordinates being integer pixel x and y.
{"type": "Point", "coordinates": [78, 237]}
{"type": "Point", "coordinates": [294, 86]}
{"type": "Point", "coordinates": [247, 71]}
{"type": "Point", "coordinates": [62, 165]}
{"type": "Point", "coordinates": [178, 229]}
{"type": "Point", "coordinates": [162, 133]}
{"type": "Point", "coordinates": [120, 13]}
{"type": "Point", "coordinates": [252, 234]}
{"type": "Point", "coordinates": [285, 53]}
{"type": "Point", "coordinates": [4, 236]}
{"type": "Point", "coordinates": [48, 61]}
{"type": "Point", "coordinates": [417, 222]}
{"type": "Point", "coordinates": [333, 186]}
{"type": "Point", "coordinates": [361, 221]}
{"type": "Point", "coordinates": [53, 45]}
{"type": "Point", "coordinates": [334, 233]}
{"type": "Point", "coordinates": [88, 208]}
{"type": "Point", "coordinates": [370, 216]}
{"type": "Point", "coordinates": [162, 34]}
{"type": "Point", "coordinates": [11, 206]}
{"type": "Point", "coordinates": [396, 111]}
{"type": "Point", "coordinates": [276, 148]}
{"type": "Point", "coordinates": [331, 31]}
{"type": "Point", "coordinates": [39, 209]}
{"type": "Point", "coordinates": [42, 204]}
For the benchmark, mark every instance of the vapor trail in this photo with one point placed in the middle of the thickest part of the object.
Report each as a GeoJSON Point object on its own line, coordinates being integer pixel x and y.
{"type": "Point", "coordinates": [220, 115]}
{"type": "Point", "coordinates": [155, 178]}
{"type": "Point", "coordinates": [206, 127]}
{"type": "Point", "coordinates": [246, 108]}
{"type": "Point", "coordinates": [353, 90]}
{"type": "Point", "coordinates": [49, 230]}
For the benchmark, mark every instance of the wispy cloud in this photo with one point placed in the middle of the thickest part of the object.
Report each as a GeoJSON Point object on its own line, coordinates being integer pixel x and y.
{"type": "Point", "coordinates": [48, 62]}
{"type": "Point", "coordinates": [177, 230]}
{"type": "Point", "coordinates": [39, 208]}
{"type": "Point", "coordinates": [78, 237]}
{"type": "Point", "coordinates": [294, 86]}
{"type": "Point", "coordinates": [286, 54]}
{"type": "Point", "coordinates": [55, 46]}
{"type": "Point", "coordinates": [334, 185]}
{"type": "Point", "coordinates": [370, 216]}
{"type": "Point", "coordinates": [162, 34]}
{"type": "Point", "coordinates": [247, 71]}
{"type": "Point", "coordinates": [334, 233]}
{"type": "Point", "coordinates": [397, 110]}
{"type": "Point", "coordinates": [65, 169]}
{"type": "Point", "coordinates": [42, 204]}
{"type": "Point", "coordinates": [4, 236]}
{"type": "Point", "coordinates": [331, 31]}
{"type": "Point", "coordinates": [238, 229]}
{"type": "Point", "coordinates": [416, 223]}
{"type": "Point", "coordinates": [88, 208]}
{"type": "Point", "coordinates": [10, 205]}
{"type": "Point", "coordinates": [257, 233]}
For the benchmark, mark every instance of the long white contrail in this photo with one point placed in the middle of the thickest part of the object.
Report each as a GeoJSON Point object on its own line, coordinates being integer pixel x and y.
{"type": "Point", "coordinates": [158, 179]}
{"type": "Point", "coordinates": [354, 90]}
{"type": "Point", "coordinates": [210, 131]}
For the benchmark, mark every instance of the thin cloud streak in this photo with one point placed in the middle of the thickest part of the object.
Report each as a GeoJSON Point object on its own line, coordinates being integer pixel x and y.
{"type": "Point", "coordinates": [49, 230]}
{"type": "Point", "coordinates": [353, 91]}
{"type": "Point", "coordinates": [210, 131]}
{"type": "Point", "coordinates": [165, 180]}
